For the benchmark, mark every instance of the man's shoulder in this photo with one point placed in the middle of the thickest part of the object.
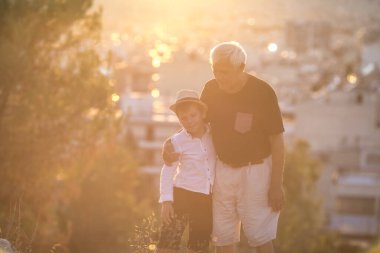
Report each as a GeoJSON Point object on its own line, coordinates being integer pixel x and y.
{"type": "Point", "coordinates": [209, 90]}
{"type": "Point", "coordinates": [211, 84]}
{"type": "Point", "coordinates": [258, 84]}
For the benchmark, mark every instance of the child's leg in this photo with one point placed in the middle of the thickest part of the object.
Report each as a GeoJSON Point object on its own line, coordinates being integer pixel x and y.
{"type": "Point", "coordinates": [200, 223]}
{"type": "Point", "coordinates": [171, 233]}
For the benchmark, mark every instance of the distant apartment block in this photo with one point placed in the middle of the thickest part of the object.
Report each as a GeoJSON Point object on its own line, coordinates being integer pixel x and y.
{"type": "Point", "coordinates": [356, 211]}
{"type": "Point", "coordinates": [148, 124]}
{"type": "Point", "coordinates": [340, 120]}
{"type": "Point", "coordinates": [343, 128]}
{"type": "Point", "coordinates": [302, 36]}
{"type": "Point", "coordinates": [370, 47]}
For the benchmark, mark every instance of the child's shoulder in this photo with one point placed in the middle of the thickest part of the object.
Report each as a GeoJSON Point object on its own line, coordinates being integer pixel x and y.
{"type": "Point", "coordinates": [180, 135]}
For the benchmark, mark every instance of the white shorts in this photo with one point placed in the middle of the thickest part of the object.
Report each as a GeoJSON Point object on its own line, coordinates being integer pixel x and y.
{"type": "Point", "coordinates": [240, 196]}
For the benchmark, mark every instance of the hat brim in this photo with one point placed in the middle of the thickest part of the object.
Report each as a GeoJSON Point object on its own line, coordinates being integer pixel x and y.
{"type": "Point", "coordinates": [173, 107]}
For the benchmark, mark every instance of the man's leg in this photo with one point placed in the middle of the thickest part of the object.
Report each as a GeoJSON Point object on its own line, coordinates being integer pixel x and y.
{"type": "Point", "coordinates": [258, 218]}
{"type": "Point", "coordinates": [265, 248]}
{"type": "Point", "coordinates": [226, 221]}
{"type": "Point", "coordinates": [226, 249]}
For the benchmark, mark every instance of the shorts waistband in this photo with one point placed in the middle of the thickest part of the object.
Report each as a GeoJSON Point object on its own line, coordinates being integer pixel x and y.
{"type": "Point", "coordinates": [243, 164]}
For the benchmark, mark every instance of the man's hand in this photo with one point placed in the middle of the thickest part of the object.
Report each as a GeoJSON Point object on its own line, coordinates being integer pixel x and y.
{"type": "Point", "coordinates": [167, 212]}
{"type": "Point", "coordinates": [168, 154]}
{"type": "Point", "coordinates": [276, 197]}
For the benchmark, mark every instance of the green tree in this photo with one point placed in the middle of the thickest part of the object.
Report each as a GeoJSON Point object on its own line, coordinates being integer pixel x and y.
{"type": "Point", "coordinates": [301, 222]}
{"type": "Point", "coordinates": [58, 124]}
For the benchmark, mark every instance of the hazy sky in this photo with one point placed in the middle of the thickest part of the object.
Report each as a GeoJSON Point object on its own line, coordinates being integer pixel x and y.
{"type": "Point", "coordinates": [198, 24]}
{"type": "Point", "coordinates": [118, 13]}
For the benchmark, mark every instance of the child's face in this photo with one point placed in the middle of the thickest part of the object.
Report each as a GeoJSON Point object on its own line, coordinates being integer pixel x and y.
{"type": "Point", "coordinates": [191, 118]}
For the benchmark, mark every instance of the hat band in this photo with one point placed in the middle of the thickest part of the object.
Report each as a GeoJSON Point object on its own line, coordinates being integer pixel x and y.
{"type": "Point", "coordinates": [188, 99]}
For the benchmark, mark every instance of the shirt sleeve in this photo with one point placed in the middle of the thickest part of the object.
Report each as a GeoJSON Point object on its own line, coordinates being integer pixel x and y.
{"type": "Point", "coordinates": [205, 98]}
{"type": "Point", "coordinates": [167, 176]}
{"type": "Point", "coordinates": [166, 182]}
{"type": "Point", "coordinates": [273, 122]}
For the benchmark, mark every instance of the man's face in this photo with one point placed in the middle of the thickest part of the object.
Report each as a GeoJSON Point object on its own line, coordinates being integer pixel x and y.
{"type": "Point", "coordinates": [227, 75]}
{"type": "Point", "coordinates": [191, 118]}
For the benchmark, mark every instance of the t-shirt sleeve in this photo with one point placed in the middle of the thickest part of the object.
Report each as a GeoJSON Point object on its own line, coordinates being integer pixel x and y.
{"type": "Point", "coordinates": [205, 98]}
{"type": "Point", "coordinates": [273, 119]}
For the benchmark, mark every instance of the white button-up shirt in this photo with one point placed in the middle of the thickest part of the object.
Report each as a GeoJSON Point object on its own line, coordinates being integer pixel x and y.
{"type": "Point", "coordinates": [195, 169]}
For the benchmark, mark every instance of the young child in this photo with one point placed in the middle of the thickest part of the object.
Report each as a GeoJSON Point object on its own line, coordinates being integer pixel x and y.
{"type": "Point", "coordinates": [185, 187]}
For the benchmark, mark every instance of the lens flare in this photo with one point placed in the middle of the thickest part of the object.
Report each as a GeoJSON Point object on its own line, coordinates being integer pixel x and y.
{"type": "Point", "coordinates": [155, 93]}
{"type": "Point", "coordinates": [272, 47]}
{"type": "Point", "coordinates": [352, 79]}
{"type": "Point", "coordinates": [156, 63]}
{"type": "Point", "coordinates": [155, 77]}
{"type": "Point", "coordinates": [115, 97]}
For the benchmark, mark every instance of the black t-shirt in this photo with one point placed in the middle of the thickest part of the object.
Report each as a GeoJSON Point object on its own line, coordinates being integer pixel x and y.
{"type": "Point", "coordinates": [241, 123]}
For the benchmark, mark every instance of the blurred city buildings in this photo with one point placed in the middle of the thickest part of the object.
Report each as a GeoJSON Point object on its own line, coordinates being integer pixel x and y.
{"type": "Point", "coordinates": [301, 36]}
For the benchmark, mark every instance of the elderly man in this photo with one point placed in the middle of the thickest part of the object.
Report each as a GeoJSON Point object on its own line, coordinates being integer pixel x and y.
{"type": "Point", "coordinates": [247, 132]}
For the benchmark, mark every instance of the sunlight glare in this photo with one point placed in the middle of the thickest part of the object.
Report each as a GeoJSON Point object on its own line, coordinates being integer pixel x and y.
{"type": "Point", "coordinates": [155, 93]}
{"type": "Point", "coordinates": [153, 53]}
{"type": "Point", "coordinates": [118, 114]}
{"type": "Point", "coordinates": [115, 97]}
{"type": "Point", "coordinates": [92, 112]}
{"type": "Point", "coordinates": [152, 247]}
{"type": "Point", "coordinates": [156, 62]}
{"type": "Point", "coordinates": [115, 36]}
{"type": "Point", "coordinates": [352, 78]}
{"type": "Point", "coordinates": [272, 47]}
{"type": "Point", "coordinates": [155, 77]}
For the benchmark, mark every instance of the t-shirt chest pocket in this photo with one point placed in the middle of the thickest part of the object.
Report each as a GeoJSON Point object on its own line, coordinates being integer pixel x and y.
{"type": "Point", "coordinates": [245, 119]}
{"type": "Point", "coordinates": [243, 122]}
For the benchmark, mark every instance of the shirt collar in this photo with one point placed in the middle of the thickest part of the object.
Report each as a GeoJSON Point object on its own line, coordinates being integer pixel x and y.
{"type": "Point", "coordinates": [208, 129]}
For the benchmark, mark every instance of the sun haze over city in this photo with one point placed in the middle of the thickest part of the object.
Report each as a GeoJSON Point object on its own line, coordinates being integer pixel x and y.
{"type": "Point", "coordinates": [85, 92]}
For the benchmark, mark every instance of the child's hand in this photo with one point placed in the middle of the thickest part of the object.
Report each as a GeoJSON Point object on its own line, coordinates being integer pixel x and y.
{"type": "Point", "coordinates": [168, 153]}
{"type": "Point", "coordinates": [167, 212]}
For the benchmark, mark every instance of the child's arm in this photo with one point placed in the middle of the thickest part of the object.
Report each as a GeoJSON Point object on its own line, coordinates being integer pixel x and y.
{"type": "Point", "coordinates": [166, 182]}
{"type": "Point", "coordinates": [166, 192]}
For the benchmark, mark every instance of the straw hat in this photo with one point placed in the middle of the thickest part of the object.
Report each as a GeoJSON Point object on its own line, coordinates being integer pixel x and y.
{"type": "Point", "coordinates": [187, 96]}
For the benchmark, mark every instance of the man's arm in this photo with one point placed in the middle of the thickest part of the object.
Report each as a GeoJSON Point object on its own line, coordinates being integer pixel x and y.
{"type": "Point", "coordinates": [168, 153]}
{"type": "Point", "coordinates": [276, 193]}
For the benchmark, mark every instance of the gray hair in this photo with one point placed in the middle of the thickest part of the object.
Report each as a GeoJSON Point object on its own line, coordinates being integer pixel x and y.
{"type": "Point", "coordinates": [231, 51]}
{"type": "Point", "coordinates": [5, 246]}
